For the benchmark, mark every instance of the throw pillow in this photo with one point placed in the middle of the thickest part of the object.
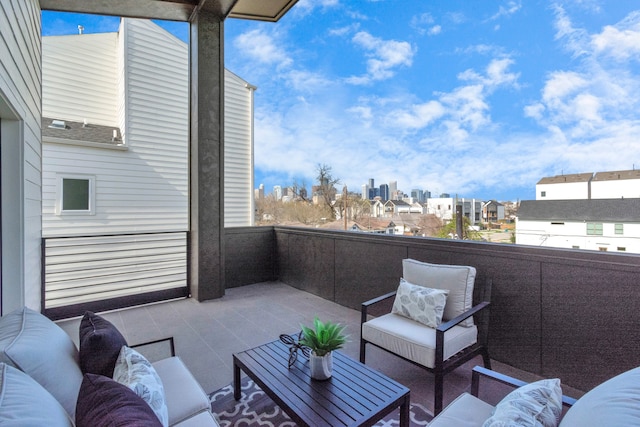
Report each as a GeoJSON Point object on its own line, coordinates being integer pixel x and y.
{"type": "Point", "coordinates": [538, 404]}
{"type": "Point", "coordinates": [24, 402]}
{"type": "Point", "coordinates": [100, 344]}
{"type": "Point", "coordinates": [134, 370]}
{"type": "Point", "coordinates": [102, 402]}
{"type": "Point", "coordinates": [457, 279]}
{"type": "Point", "coordinates": [422, 304]}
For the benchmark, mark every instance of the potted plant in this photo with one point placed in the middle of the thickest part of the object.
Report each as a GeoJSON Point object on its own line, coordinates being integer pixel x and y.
{"type": "Point", "coordinates": [322, 339]}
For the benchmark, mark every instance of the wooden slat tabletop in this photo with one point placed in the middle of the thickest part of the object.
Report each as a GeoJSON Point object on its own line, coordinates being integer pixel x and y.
{"type": "Point", "coordinates": [355, 395]}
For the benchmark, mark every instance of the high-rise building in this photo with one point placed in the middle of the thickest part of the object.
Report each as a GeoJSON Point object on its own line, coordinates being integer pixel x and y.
{"type": "Point", "coordinates": [393, 189]}
{"type": "Point", "coordinates": [384, 192]}
{"type": "Point", "coordinates": [277, 192]}
{"type": "Point", "coordinates": [365, 191]}
{"type": "Point", "coordinates": [417, 195]}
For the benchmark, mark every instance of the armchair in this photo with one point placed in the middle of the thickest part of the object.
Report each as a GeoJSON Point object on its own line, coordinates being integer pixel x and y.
{"type": "Point", "coordinates": [439, 349]}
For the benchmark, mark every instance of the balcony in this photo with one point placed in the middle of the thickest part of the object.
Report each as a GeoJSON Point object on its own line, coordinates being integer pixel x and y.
{"type": "Point", "coordinates": [555, 313]}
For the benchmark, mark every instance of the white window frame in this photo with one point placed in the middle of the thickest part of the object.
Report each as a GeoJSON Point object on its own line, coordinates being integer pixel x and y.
{"type": "Point", "coordinates": [92, 197]}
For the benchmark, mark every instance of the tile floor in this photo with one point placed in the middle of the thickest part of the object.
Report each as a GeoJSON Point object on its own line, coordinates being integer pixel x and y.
{"type": "Point", "coordinates": [207, 334]}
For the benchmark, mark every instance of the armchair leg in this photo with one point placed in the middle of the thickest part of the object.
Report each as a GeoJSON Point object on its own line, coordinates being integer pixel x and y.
{"type": "Point", "coordinates": [438, 393]}
{"type": "Point", "coordinates": [363, 344]}
{"type": "Point", "coordinates": [486, 359]}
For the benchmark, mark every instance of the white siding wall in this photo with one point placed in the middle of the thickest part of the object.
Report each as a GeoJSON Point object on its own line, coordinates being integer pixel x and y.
{"type": "Point", "coordinates": [80, 78]}
{"type": "Point", "coordinates": [143, 189]}
{"type": "Point", "coordinates": [570, 234]}
{"type": "Point", "coordinates": [238, 152]}
{"type": "Point", "coordinates": [20, 110]}
{"type": "Point", "coordinates": [627, 188]}
{"type": "Point", "coordinates": [563, 191]}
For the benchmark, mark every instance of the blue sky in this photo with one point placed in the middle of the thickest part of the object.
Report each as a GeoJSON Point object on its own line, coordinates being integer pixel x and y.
{"type": "Point", "coordinates": [475, 98]}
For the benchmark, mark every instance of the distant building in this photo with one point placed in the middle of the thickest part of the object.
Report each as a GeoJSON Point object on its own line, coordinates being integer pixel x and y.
{"type": "Point", "coordinates": [582, 186]}
{"type": "Point", "coordinates": [441, 207]}
{"type": "Point", "coordinates": [493, 211]}
{"type": "Point", "coordinates": [417, 195]}
{"type": "Point", "coordinates": [384, 192]}
{"type": "Point", "coordinates": [277, 192]}
{"type": "Point", "coordinates": [595, 224]}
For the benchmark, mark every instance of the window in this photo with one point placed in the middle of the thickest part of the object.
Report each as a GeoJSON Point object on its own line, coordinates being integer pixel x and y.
{"type": "Point", "coordinates": [622, 249]}
{"type": "Point", "coordinates": [594, 229]}
{"type": "Point", "coordinates": [543, 194]}
{"type": "Point", "coordinates": [619, 228]}
{"type": "Point", "coordinates": [575, 247]}
{"type": "Point", "coordinates": [76, 195]}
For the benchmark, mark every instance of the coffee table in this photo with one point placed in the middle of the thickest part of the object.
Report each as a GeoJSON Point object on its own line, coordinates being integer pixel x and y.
{"type": "Point", "coordinates": [355, 395]}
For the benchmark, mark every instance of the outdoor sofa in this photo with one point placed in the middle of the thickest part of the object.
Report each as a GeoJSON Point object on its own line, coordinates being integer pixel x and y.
{"type": "Point", "coordinates": [46, 380]}
{"type": "Point", "coordinates": [614, 403]}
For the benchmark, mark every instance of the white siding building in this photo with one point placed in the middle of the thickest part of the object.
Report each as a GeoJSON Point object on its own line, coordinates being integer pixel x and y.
{"type": "Point", "coordinates": [600, 224]}
{"type": "Point", "coordinates": [581, 186]}
{"type": "Point", "coordinates": [116, 161]}
{"type": "Point", "coordinates": [21, 153]}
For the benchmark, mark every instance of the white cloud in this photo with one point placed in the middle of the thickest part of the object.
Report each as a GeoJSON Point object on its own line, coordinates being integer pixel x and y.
{"type": "Point", "coordinates": [262, 48]}
{"type": "Point", "coordinates": [435, 30]}
{"type": "Point", "coordinates": [384, 57]}
{"type": "Point", "coordinates": [620, 42]}
{"type": "Point", "coordinates": [511, 8]}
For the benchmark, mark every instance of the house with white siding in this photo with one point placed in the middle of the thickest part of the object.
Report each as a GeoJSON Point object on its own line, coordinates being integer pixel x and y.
{"type": "Point", "coordinates": [115, 161]}
{"type": "Point", "coordinates": [611, 225]}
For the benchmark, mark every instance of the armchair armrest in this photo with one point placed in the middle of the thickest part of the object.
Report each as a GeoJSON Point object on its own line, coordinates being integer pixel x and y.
{"type": "Point", "coordinates": [479, 371]}
{"type": "Point", "coordinates": [171, 344]}
{"type": "Point", "coordinates": [374, 301]}
{"type": "Point", "coordinates": [444, 327]}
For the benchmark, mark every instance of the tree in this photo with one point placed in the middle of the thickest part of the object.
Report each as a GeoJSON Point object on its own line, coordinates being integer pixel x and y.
{"type": "Point", "coordinates": [324, 194]}
{"type": "Point", "coordinates": [448, 231]}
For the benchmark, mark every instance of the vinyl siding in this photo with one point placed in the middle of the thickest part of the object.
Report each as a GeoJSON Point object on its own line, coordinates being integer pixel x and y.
{"type": "Point", "coordinates": [20, 87]}
{"type": "Point", "coordinates": [238, 152]}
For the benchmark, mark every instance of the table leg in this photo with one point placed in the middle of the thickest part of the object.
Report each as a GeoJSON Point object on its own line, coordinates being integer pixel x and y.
{"type": "Point", "coordinates": [236, 382]}
{"type": "Point", "coordinates": [404, 412]}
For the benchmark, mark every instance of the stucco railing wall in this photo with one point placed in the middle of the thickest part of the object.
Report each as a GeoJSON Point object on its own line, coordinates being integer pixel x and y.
{"type": "Point", "coordinates": [559, 313]}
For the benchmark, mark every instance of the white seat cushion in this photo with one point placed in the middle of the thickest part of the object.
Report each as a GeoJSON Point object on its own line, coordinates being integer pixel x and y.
{"type": "Point", "coordinates": [203, 419]}
{"type": "Point", "coordinates": [465, 411]}
{"type": "Point", "coordinates": [415, 341]}
{"type": "Point", "coordinates": [183, 394]}
{"type": "Point", "coordinates": [457, 279]}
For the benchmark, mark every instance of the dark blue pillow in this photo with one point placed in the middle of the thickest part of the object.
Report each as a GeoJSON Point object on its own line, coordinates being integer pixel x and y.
{"type": "Point", "coordinates": [100, 344]}
{"type": "Point", "coordinates": [103, 402]}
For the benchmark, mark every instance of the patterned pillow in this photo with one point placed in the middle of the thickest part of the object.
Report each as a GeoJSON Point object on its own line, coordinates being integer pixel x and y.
{"type": "Point", "coordinates": [538, 404]}
{"type": "Point", "coordinates": [134, 371]}
{"type": "Point", "coordinates": [422, 304]}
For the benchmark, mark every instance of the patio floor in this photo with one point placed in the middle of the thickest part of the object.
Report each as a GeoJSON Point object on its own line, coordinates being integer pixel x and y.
{"type": "Point", "coordinates": [207, 334]}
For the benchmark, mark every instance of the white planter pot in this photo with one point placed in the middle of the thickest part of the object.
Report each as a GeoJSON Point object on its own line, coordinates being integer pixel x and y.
{"type": "Point", "coordinates": [321, 366]}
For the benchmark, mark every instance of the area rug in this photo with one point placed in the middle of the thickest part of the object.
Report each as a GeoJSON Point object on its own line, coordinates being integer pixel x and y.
{"type": "Point", "coordinates": [255, 408]}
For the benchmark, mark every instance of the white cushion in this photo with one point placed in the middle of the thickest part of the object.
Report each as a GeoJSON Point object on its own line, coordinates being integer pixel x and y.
{"type": "Point", "coordinates": [422, 304]}
{"type": "Point", "coordinates": [183, 393]}
{"type": "Point", "coordinates": [465, 411]}
{"type": "Point", "coordinates": [415, 341]}
{"type": "Point", "coordinates": [614, 403]}
{"type": "Point", "coordinates": [25, 403]}
{"type": "Point", "coordinates": [457, 279]}
{"type": "Point", "coordinates": [38, 347]}
{"type": "Point", "coordinates": [134, 371]}
{"type": "Point", "coordinates": [538, 404]}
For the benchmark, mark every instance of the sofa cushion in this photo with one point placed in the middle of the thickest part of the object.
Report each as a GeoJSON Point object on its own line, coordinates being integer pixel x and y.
{"type": "Point", "coordinates": [465, 411]}
{"type": "Point", "coordinates": [25, 403]}
{"type": "Point", "coordinates": [34, 344]}
{"type": "Point", "coordinates": [183, 393]}
{"type": "Point", "coordinates": [538, 404]}
{"type": "Point", "coordinates": [614, 403]}
{"type": "Point", "coordinates": [422, 304]}
{"type": "Point", "coordinates": [134, 370]}
{"type": "Point", "coordinates": [202, 419]}
{"type": "Point", "coordinates": [413, 340]}
{"type": "Point", "coordinates": [457, 279]}
{"type": "Point", "coordinates": [103, 402]}
{"type": "Point", "coordinates": [100, 344]}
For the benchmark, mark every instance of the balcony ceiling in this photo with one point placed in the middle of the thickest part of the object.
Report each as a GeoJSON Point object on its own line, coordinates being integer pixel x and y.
{"type": "Point", "coordinates": [175, 10]}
